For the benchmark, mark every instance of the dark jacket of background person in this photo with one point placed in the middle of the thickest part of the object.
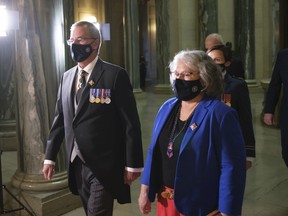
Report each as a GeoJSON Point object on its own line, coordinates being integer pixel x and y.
{"type": "Point", "coordinates": [236, 95]}
{"type": "Point", "coordinates": [279, 78]}
{"type": "Point", "coordinates": [235, 69]}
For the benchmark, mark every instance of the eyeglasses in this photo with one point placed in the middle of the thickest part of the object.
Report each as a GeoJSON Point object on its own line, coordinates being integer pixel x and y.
{"type": "Point", "coordinates": [184, 74]}
{"type": "Point", "coordinates": [78, 40]}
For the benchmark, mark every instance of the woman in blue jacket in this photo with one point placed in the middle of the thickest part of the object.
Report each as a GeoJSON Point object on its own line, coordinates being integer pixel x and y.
{"type": "Point", "coordinates": [196, 161]}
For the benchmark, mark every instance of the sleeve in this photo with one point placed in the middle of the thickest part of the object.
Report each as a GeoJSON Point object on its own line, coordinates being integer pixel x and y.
{"type": "Point", "coordinates": [245, 118]}
{"type": "Point", "coordinates": [274, 89]}
{"type": "Point", "coordinates": [127, 108]}
{"type": "Point", "coordinates": [56, 134]}
{"type": "Point", "coordinates": [233, 165]}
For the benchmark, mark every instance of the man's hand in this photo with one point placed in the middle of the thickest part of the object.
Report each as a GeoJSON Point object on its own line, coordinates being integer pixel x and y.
{"type": "Point", "coordinates": [268, 118]}
{"type": "Point", "coordinates": [248, 164]}
{"type": "Point", "coordinates": [48, 171]}
{"type": "Point", "coordinates": [129, 177]}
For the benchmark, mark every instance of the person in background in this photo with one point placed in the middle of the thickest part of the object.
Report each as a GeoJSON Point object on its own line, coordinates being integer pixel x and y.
{"type": "Point", "coordinates": [235, 66]}
{"type": "Point", "coordinates": [196, 160]}
{"type": "Point", "coordinates": [279, 81]}
{"type": "Point", "coordinates": [236, 95]}
{"type": "Point", "coordinates": [96, 114]}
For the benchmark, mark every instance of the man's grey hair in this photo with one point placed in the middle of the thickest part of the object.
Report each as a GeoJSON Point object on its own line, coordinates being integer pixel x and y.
{"type": "Point", "coordinates": [215, 36]}
{"type": "Point", "coordinates": [92, 30]}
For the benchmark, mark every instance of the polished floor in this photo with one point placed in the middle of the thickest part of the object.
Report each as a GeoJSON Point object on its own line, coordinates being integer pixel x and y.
{"type": "Point", "coordinates": [267, 181]}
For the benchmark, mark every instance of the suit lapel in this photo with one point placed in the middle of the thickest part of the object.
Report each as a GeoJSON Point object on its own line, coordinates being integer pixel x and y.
{"type": "Point", "coordinates": [162, 117]}
{"type": "Point", "coordinates": [68, 83]}
{"type": "Point", "coordinates": [92, 82]}
{"type": "Point", "coordinates": [195, 123]}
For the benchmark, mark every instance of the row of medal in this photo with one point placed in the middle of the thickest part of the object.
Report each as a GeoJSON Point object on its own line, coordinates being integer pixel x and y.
{"type": "Point", "coordinates": [226, 98]}
{"type": "Point", "coordinates": [100, 96]}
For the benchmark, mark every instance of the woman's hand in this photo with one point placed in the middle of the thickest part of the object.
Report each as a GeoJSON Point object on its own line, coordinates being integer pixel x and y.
{"type": "Point", "coordinates": [143, 201]}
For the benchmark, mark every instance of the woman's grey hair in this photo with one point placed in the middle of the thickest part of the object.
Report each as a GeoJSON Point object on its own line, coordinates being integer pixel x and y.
{"type": "Point", "coordinates": [210, 74]}
{"type": "Point", "coordinates": [92, 30]}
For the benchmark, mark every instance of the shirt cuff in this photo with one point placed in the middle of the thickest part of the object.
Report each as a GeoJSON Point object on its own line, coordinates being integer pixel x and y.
{"type": "Point", "coordinates": [250, 159]}
{"type": "Point", "coordinates": [129, 169]}
{"type": "Point", "coordinates": [49, 162]}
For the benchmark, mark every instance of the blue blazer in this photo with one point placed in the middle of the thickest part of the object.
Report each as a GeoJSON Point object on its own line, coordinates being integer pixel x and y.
{"type": "Point", "coordinates": [211, 168]}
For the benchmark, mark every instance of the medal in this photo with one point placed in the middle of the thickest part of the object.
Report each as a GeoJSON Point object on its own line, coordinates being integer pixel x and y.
{"type": "Point", "coordinates": [102, 99]}
{"type": "Point", "coordinates": [108, 101]}
{"type": "Point", "coordinates": [97, 99]}
{"type": "Point", "coordinates": [92, 95]}
{"type": "Point", "coordinates": [107, 96]}
{"type": "Point", "coordinates": [226, 98]}
{"type": "Point", "coordinates": [92, 99]}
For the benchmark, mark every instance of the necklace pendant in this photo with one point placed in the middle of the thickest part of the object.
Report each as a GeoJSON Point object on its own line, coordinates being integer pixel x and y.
{"type": "Point", "coordinates": [170, 150]}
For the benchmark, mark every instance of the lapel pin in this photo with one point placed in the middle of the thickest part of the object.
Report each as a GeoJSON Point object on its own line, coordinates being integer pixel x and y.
{"type": "Point", "coordinates": [193, 126]}
{"type": "Point", "coordinates": [91, 82]}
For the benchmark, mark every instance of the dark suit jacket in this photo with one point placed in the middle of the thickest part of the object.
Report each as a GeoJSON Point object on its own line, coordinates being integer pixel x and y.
{"type": "Point", "coordinates": [280, 78]}
{"type": "Point", "coordinates": [108, 135]}
{"type": "Point", "coordinates": [211, 169]}
{"type": "Point", "coordinates": [236, 95]}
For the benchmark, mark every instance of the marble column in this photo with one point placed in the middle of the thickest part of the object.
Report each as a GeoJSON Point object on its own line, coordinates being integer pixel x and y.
{"type": "Point", "coordinates": [8, 139]}
{"type": "Point", "coordinates": [162, 41]}
{"type": "Point", "coordinates": [244, 35]}
{"type": "Point", "coordinates": [131, 42]}
{"type": "Point", "coordinates": [208, 19]}
{"type": "Point", "coordinates": [40, 61]}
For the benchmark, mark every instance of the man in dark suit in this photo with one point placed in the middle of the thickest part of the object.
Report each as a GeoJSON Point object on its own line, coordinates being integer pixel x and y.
{"type": "Point", "coordinates": [279, 78]}
{"type": "Point", "coordinates": [236, 95]}
{"type": "Point", "coordinates": [235, 66]}
{"type": "Point", "coordinates": [96, 114]}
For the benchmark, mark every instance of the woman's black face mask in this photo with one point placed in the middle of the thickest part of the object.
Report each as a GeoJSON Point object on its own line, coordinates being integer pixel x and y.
{"type": "Point", "coordinates": [187, 89]}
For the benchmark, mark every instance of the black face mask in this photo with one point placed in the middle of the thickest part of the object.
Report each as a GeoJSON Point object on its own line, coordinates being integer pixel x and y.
{"type": "Point", "coordinates": [222, 66]}
{"type": "Point", "coordinates": [80, 52]}
{"type": "Point", "coordinates": [187, 89]}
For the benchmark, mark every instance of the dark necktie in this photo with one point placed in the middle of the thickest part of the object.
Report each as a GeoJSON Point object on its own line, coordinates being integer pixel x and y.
{"type": "Point", "coordinates": [81, 85]}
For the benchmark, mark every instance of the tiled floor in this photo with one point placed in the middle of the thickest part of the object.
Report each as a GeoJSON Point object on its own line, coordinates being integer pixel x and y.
{"type": "Point", "coordinates": [267, 181]}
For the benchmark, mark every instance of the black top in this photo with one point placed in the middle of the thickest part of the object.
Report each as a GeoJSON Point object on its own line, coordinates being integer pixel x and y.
{"type": "Point", "coordinates": [168, 165]}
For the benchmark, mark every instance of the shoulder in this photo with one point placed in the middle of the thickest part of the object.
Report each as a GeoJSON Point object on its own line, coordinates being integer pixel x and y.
{"type": "Point", "coordinates": [70, 71]}
{"type": "Point", "coordinates": [217, 108]}
{"type": "Point", "coordinates": [167, 106]}
{"type": "Point", "coordinates": [110, 66]}
{"type": "Point", "coordinates": [214, 104]}
{"type": "Point", "coordinates": [282, 56]}
{"type": "Point", "coordinates": [168, 103]}
{"type": "Point", "coordinates": [283, 52]}
{"type": "Point", "coordinates": [234, 81]}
